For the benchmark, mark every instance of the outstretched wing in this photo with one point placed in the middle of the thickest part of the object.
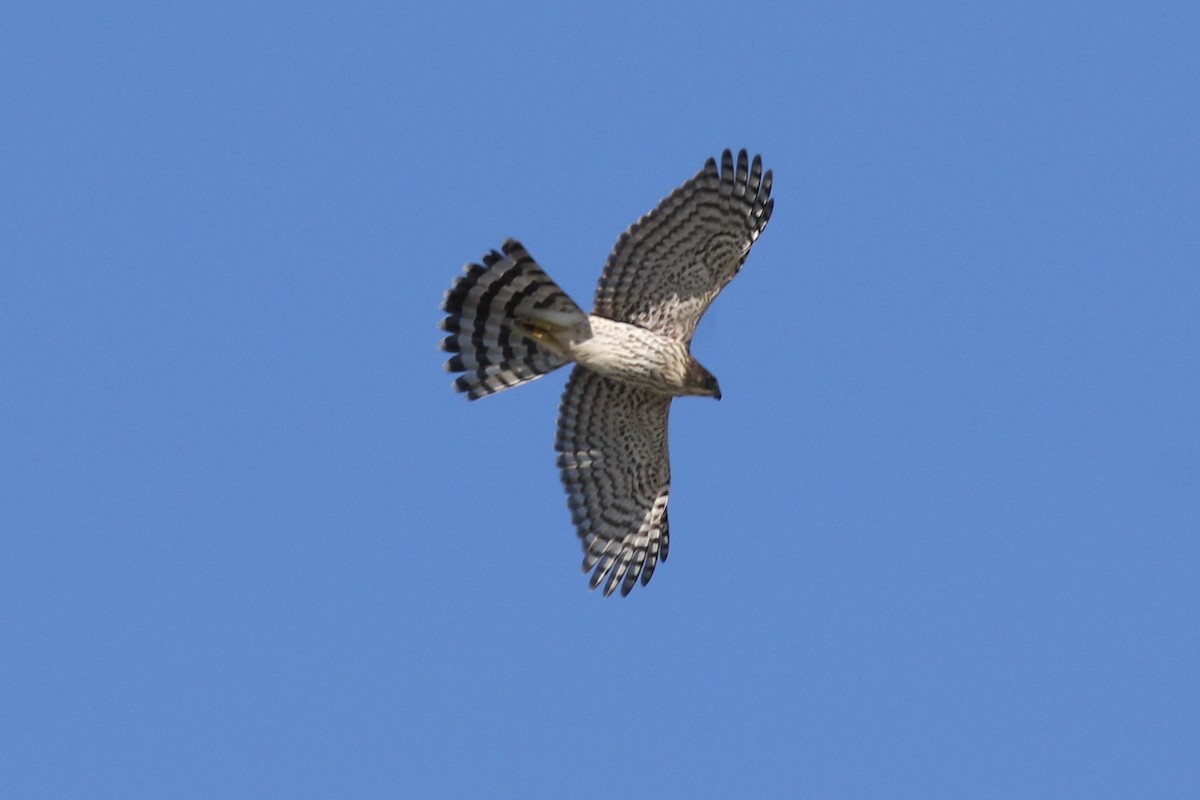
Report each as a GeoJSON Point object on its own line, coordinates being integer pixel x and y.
{"type": "Point", "coordinates": [666, 269]}
{"type": "Point", "coordinates": [612, 450]}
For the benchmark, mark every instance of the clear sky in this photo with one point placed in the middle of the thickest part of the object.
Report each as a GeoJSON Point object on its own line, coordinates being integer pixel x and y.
{"type": "Point", "coordinates": [941, 537]}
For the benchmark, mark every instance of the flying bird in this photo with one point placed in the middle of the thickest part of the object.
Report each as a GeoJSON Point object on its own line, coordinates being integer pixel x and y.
{"type": "Point", "coordinates": [508, 323]}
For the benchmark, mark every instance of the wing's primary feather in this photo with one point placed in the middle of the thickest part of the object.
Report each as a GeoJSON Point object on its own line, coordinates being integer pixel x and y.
{"type": "Point", "coordinates": [669, 266]}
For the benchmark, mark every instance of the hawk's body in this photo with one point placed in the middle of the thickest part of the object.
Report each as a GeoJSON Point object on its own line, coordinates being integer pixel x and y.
{"type": "Point", "coordinates": [508, 323]}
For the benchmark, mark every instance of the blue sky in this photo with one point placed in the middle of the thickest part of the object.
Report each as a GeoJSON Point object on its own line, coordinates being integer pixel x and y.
{"type": "Point", "coordinates": [941, 537]}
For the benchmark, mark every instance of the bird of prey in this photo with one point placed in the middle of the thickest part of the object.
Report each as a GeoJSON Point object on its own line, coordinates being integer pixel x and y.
{"type": "Point", "coordinates": [508, 323]}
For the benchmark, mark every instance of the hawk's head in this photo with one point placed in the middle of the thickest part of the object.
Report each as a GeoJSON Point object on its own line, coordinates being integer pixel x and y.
{"type": "Point", "coordinates": [700, 382]}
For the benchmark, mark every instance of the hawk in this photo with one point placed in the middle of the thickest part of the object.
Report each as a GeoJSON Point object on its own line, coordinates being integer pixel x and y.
{"type": "Point", "coordinates": [508, 323]}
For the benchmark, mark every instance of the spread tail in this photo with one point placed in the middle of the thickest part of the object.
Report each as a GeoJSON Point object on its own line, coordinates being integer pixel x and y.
{"type": "Point", "coordinates": [503, 318]}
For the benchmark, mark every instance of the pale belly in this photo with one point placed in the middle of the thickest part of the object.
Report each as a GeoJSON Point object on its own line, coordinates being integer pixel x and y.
{"type": "Point", "coordinates": [632, 355]}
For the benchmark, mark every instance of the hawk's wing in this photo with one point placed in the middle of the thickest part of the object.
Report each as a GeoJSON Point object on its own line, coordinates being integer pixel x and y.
{"type": "Point", "coordinates": [612, 450]}
{"type": "Point", "coordinates": [667, 268]}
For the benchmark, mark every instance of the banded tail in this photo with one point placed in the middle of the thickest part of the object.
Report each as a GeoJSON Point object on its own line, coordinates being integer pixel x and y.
{"type": "Point", "coordinates": [502, 318]}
